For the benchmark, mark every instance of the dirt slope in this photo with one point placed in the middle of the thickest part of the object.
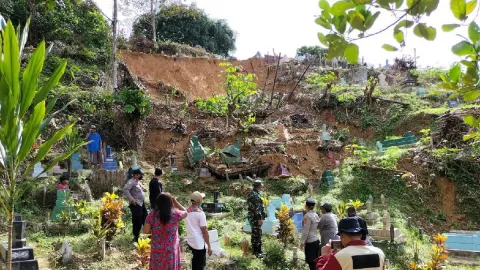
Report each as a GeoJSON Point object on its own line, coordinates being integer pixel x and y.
{"type": "Point", "coordinates": [195, 77]}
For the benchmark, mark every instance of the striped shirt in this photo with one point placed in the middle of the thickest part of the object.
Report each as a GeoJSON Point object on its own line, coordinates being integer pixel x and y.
{"type": "Point", "coordinates": [356, 256]}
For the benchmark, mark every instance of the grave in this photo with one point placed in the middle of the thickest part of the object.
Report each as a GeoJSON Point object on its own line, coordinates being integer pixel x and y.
{"type": "Point", "coordinates": [387, 232]}
{"type": "Point", "coordinates": [420, 92]}
{"type": "Point", "coordinates": [381, 80]}
{"type": "Point", "coordinates": [110, 164]}
{"type": "Point", "coordinates": [214, 207]}
{"type": "Point", "coordinates": [204, 173]}
{"type": "Point", "coordinates": [407, 139]}
{"type": "Point", "coordinates": [62, 205]}
{"type": "Point", "coordinates": [196, 152]}
{"type": "Point", "coordinates": [327, 178]}
{"type": "Point", "coordinates": [410, 81]}
{"type": "Point", "coordinates": [282, 135]}
{"type": "Point", "coordinates": [134, 165]}
{"type": "Point", "coordinates": [343, 82]}
{"type": "Point", "coordinates": [452, 102]}
{"type": "Point", "coordinates": [215, 244]}
{"type": "Point", "coordinates": [57, 170]}
{"type": "Point", "coordinates": [173, 166]}
{"type": "Point", "coordinates": [270, 224]}
{"type": "Point", "coordinates": [282, 171]}
{"type": "Point", "coordinates": [468, 241]}
{"type": "Point", "coordinates": [22, 255]}
{"type": "Point", "coordinates": [298, 221]}
{"type": "Point", "coordinates": [76, 163]}
{"type": "Point", "coordinates": [231, 153]}
{"type": "Point", "coordinates": [37, 171]}
{"type": "Point", "coordinates": [325, 135]}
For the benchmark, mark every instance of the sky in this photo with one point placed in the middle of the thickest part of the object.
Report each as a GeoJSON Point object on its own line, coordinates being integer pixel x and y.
{"type": "Point", "coordinates": [285, 25]}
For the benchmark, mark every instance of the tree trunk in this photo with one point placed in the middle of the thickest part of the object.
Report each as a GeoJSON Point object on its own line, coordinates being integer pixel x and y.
{"type": "Point", "coordinates": [10, 240]}
{"type": "Point", "coordinates": [154, 27]}
{"type": "Point", "coordinates": [114, 44]}
{"type": "Point", "coordinates": [69, 167]}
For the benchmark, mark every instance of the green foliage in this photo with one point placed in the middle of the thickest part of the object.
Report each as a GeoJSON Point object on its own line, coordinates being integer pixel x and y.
{"type": "Point", "coordinates": [239, 87]}
{"type": "Point", "coordinates": [311, 52]}
{"type": "Point", "coordinates": [319, 81]}
{"type": "Point", "coordinates": [428, 76]}
{"type": "Point", "coordinates": [137, 105]}
{"type": "Point", "coordinates": [275, 258]}
{"type": "Point", "coordinates": [72, 22]}
{"type": "Point", "coordinates": [188, 25]}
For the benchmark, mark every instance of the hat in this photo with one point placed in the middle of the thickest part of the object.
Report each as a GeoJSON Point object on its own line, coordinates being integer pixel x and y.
{"type": "Point", "coordinates": [349, 225]}
{"type": "Point", "coordinates": [137, 171]}
{"type": "Point", "coordinates": [197, 196]}
{"type": "Point", "coordinates": [327, 206]}
{"type": "Point", "coordinates": [257, 183]}
{"type": "Point", "coordinates": [310, 202]}
{"type": "Point", "coordinates": [93, 127]}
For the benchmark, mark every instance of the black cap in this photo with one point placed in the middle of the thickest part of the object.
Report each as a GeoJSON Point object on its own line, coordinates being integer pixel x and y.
{"type": "Point", "coordinates": [137, 171]}
{"type": "Point", "coordinates": [158, 171]}
{"type": "Point", "coordinates": [310, 202]}
{"type": "Point", "coordinates": [349, 225]}
{"type": "Point", "coordinates": [64, 177]}
{"type": "Point", "coordinates": [327, 206]}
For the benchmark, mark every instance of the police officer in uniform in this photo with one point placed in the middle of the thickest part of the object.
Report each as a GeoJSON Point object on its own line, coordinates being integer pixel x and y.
{"type": "Point", "coordinates": [256, 215]}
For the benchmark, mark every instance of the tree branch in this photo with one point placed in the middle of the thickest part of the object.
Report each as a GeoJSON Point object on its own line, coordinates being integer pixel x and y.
{"type": "Point", "coordinates": [394, 23]}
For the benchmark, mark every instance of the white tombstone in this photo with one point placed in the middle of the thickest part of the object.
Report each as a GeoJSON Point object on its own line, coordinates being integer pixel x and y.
{"type": "Point", "coordinates": [370, 198]}
{"type": "Point", "coordinates": [215, 244]}
{"type": "Point", "coordinates": [381, 80]}
{"type": "Point", "coordinates": [382, 198]}
{"type": "Point", "coordinates": [37, 171]}
{"type": "Point", "coordinates": [66, 253]}
{"type": "Point", "coordinates": [369, 206]}
{"type": "Point", "coordinates": [386, 221]}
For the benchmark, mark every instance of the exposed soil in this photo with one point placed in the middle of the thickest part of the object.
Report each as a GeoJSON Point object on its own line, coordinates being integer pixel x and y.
{"type": "Point", "coordinates": [194, 77]}
{"type": "Point", "coordinates": [447, 190]}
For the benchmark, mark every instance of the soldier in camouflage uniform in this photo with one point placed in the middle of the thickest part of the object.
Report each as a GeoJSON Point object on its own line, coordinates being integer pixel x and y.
{"type": "Point", "coordinates": [256, 215]}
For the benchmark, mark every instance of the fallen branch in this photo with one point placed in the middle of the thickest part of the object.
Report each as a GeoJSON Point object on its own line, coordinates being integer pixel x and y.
{"type": "Point", "coordinates": [298, 82]}
{"type": "Point", "coordinates": [391, 101]}
{"type": "Point", "coordinates": [375, 168]}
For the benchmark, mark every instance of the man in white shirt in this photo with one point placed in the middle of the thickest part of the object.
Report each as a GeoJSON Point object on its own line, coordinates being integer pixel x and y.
{"type": "Point", "coordinates": [197, 234]}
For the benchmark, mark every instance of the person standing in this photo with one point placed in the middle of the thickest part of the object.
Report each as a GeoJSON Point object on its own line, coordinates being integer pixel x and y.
{"type": "Point", "coordinates": [95, 156]}
{"type": "Point", "coordinates": [256, 215]}
{"type": "Point", "coordinates": [155, 187]}
{"type": "Point", "coordinates": [309, 239]}
{"type": "Point", "coordinates": [197, 233]}
{"type": "Point", "coordinates": [327, 225]}
{"type": "Point", "coordinates": [351, 212]}
{"type": "Point", "coordinates": [133, 191]}
{"type": "Point", "coordinates": [162, 223]}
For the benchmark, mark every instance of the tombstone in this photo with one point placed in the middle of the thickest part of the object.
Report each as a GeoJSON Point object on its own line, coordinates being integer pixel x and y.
{"type": "Point", "coordinates": [76, 163]}
{"type": "Point", "coordinates": [287, 200]}
{"type": "Point", "coordinates": [37, 171]}
{"type": "Point", "coordinates": [22, 255]}
{"type": "Point", "coordinates": [66, 253]}
{"type": "Point", "coordinates": [282, 135]}
{"type": "Point", "coordinates": [370, 198]}
{"type": "Point", "coordinates": [298, 221]}
{"type": "Point", "coordinates": [331, 158]}
{"type": "Point", "coordinates": [310, 189]}
{"type": "Point", "coordinates": [381, 80]}
{"type": "Point", "coordinates": [379, 147]}
{"type": "Point", "coordinates": [110, 164]}
{"type": "Point", "coordinates": [282, 171]}
{"type": "Point", "coordinates": [62, 205]}
{"type": "Point", "coordinates": [204, 173]}
{"type": "Point", "coordinates": [343, 82]}
{"type": "Point", "coordinates": [134, 163]}
{"type": "Point", "coordinates": [173, 167]}
{"type": "Point", "coordinates": [57, 170]}
{"type": "Point", "coordinates": [369, 206]}
{"type": "Point", "coordinates": [386, 221]}
{"type": "Point", "coordinates": [231, 153]}
{"type": "Point", "coordinates": [327, 178]}
{"type": "Point", "coordinates": [382, 199]}
{"type": "Point", "coordinates": [196, 152]}
{"type": "Point", "coordinates": [420, 92]}
{"type": "Point", "coordinates": [214, 207]}
{"type": "Point", "coordinates": [215, 244]}
{"type": "Point", "coordinates": [325, 135]}
{"type": "Point", "coordinates": [245, 246]}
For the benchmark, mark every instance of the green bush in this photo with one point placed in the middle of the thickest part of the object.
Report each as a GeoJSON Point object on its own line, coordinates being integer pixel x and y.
{"type": "Point", "coordinates": [137, 105]}
{"type": "Point", "coordinates": [275, 257]}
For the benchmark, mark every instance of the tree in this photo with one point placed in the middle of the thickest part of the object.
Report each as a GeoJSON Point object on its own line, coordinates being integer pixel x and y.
{"type": "Point", "coordinates": [358, 17]}
{"type": "Point", "coordinates": [312, 52]}
{"type": "Point", "coordinates": [114, 43]}
{"type": "Point", "coordinates": [188, 25]}
{"type": "Point", "coordinates": [22, 113]}
{"type": "Point", "coordinates": [239, 88]}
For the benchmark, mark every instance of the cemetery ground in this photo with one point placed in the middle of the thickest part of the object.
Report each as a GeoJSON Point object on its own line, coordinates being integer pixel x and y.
{"type": "Point", "coordinates": [431, 185]}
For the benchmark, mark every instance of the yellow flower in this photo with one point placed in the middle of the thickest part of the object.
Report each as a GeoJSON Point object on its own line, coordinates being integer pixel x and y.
{"type": "Point", "coordinates": [439, 239]}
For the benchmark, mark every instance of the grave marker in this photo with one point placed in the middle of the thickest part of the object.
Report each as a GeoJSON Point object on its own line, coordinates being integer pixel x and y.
{"type": "Point", "coordinates": [381, 80]}
{"type": "Point", "coordinates": [22, 255]}
{"type": "Point", "coordinates": [37, 171]}
{"type": "Point", "coordinates": [109, 164]}
{"type": "Point", "coordinates": [76, 163]}
{"type": "Point", "coordinates": [325, 135]}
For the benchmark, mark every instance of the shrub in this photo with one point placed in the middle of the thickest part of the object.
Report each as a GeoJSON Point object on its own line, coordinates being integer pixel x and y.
{"type": "Point", "coordinates": [275, 257]}
{"type": "Point", "coordinates": [111, 213]}
{"type": "Point", "coordinates": [287, 227]}
{"type": "Point", "coordinates": [137, 105]}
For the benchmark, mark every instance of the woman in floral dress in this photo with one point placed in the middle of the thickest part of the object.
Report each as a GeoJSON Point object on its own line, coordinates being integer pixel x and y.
{"type": "Point", "coordinates": [162, 223]}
